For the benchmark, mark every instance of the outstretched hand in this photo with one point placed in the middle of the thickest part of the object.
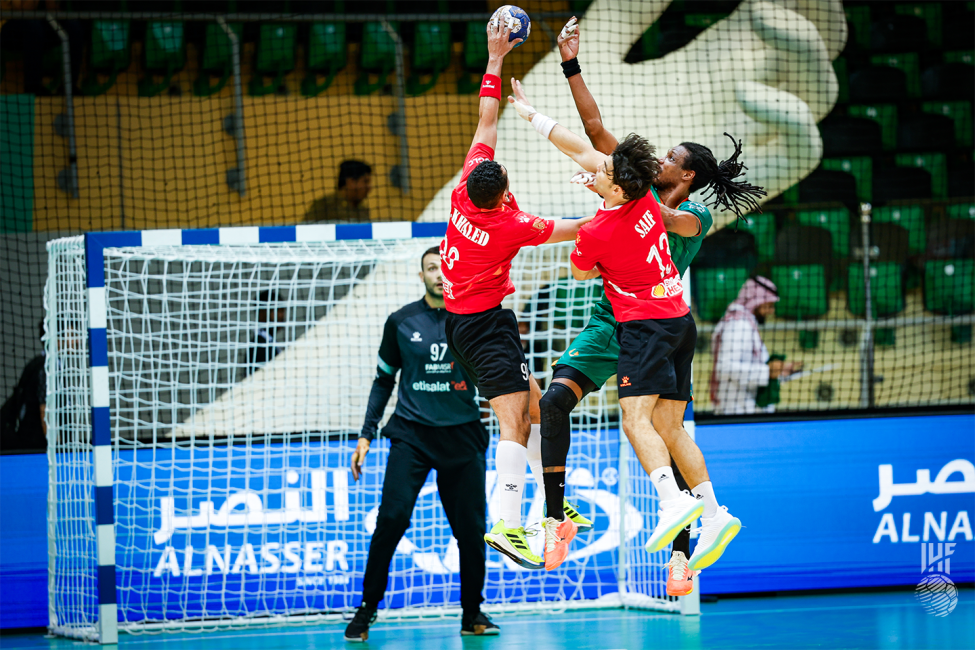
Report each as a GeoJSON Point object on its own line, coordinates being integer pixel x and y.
{"type": "Point", "coordinates": [569, 40]}
{"type": "Point", "coordinates": [520, 101]}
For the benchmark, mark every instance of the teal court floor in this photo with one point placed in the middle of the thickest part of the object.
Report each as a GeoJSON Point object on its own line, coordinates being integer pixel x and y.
{"type": "Point", "coordinates": [864, 620]}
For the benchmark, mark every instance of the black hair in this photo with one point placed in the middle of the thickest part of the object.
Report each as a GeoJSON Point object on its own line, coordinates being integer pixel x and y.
{"type": "Point", "coordinates": [353, 169]}
{"type": "Point", "coordinates": [635, 166]}
{"type": "Point", "coordinates": [719, 179]}
{"type": "Point", "coordinates": [486, 184]}
{"type": "Point", "coordinates": [433, 250]}
{"type": "Point", "coordinates": [268, 296]}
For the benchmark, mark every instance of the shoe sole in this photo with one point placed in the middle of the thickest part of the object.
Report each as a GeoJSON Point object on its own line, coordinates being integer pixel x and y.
{"type": "Point", "coordinates": [674, 530]}
{"type": "Point", "coordinates": [356, 639]}
{"type": "Point", "coordinates": [491, 631]}
{"type": "Point", "coordinates": [706, 559]}
{"type": "Point", "coordinates": [514, 556]}
{"type": "Point", "coordinates": [681, 593]}
{"type": "Point", "coordinates": [571, 535]}
{"type": "Point", "coordinates": [583, 528]}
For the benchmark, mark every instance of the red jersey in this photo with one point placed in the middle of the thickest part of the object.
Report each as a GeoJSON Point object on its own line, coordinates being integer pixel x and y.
{"type": "Point", "coordinates": [480, 244]}
{"type": "Point", "coordinates": [629, 245]}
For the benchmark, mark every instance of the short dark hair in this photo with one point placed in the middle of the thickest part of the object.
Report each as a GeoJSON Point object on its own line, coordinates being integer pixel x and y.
{"type": "Point", "coordinates": [433, 250]}
{"type": "Point", "coordinates": [353, 169]}
{"type": "Point", "coordinates": [635, 166]}
{"type": "Point", "coordinates": [486, 184]}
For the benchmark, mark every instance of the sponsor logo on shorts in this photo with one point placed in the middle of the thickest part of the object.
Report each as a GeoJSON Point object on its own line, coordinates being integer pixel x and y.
{"type": "Point", "coordinates": [625, 381]}
{"type": "Point", "coordinates": [669, 287]}
{"type": "Point", "coordinates": [432, 386]}
{"type": "Point", "coordinates": [439, 368]}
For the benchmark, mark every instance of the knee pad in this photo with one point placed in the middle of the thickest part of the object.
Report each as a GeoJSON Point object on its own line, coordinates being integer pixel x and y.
{"type": "Point", "coordinates": [555, 406]}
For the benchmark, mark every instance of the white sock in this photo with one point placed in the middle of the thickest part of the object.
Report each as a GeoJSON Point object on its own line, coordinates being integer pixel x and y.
{"type": "Point", "coordinates": [705, 492]}
{"type": "Point", "coordinates": [535, 458]}
{"type": "Point", "coordinates": [510, 460]}
{"type": "Point", "coordinates": [663, 479]}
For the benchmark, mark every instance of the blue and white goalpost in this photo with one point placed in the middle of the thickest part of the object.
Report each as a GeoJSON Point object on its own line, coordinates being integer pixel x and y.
{"type": "Point", "coordinates": [193, 489]}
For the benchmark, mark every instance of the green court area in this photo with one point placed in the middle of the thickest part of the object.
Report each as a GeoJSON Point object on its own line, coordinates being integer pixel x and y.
{"type": "Point", "coordinates": [854, 620]}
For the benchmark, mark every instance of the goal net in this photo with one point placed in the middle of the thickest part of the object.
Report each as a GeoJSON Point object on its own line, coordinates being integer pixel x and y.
{"type": "Point", "coordinates": [236, 384]}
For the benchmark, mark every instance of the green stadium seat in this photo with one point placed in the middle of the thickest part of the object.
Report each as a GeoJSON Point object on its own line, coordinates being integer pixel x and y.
{"type": "Point", "coordinates": [908, 63]}
{"type": "Point", "coordinates": [909, 217]}
{"type": "Point", "coordinates": [326, 56]}
{"type": "Point", "coordinates": [960, 113]}
{"type": "Point", "coordinates": [275, 57]}
{"type": "Point", "coordinates": [715, 289]}
{"type": "Point", "coordinates": [843, 78]}
{"type": "Point", "coordinates": [431, 55]}
{"type": "Point", "coordinates": [934, 163]}
{"type": "Point", "coordinates": [109, 54]}
{"type": "Point", "coordinates": [885, 115]}
{"type": "Point", "coordinates": [859, 19]}
{"type": "Point", "coordinates": [802, 295]}
{"type": "Point", "coordinates": [949, 289]}
{"type": "Point", "coordinates": [835, 221]}
{"type": "Point", "coordinates": [762, 227]}
{"type": "Point", "coordinates": [961, 211]}
{"type": "Point", "coordinates": [217, 58]}
{"type": "Point", "coordinates": [378, 56]}
{"type": "Point", "coordinates": [165, 54]}
{"type": "Point", "coordinates": [886, 295]}
{"type": "Point", "coordinates": [930, 12]}
{"type": "Point", "coordinates": [963, 56]}
{"type": "Point", "coordinates": [861, 167]}
{"type": "Point", "coordinates": [475, 58]}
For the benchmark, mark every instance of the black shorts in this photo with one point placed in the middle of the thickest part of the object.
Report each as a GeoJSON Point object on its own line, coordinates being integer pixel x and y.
{"type": "Point", "coordinates": [487, 345]}
{"type": "Point", "coordinates": [655, 357]}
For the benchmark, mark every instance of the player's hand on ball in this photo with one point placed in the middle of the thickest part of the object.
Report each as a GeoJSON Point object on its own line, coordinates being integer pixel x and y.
{"type": "Point", "coordinates": [498, 43]}
{"type": "Point", "coordinates": [359, 457]}
{"type": "Point", "coordinates": [764, 73]}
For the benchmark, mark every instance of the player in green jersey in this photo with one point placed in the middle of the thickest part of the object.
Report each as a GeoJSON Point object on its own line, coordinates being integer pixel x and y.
{"type": "Point", "coordinates": [592, 357]}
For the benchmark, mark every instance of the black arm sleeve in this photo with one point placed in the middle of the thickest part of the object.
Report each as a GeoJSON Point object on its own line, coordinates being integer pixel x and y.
{"type": "Point", "coordinates": [382, 385]}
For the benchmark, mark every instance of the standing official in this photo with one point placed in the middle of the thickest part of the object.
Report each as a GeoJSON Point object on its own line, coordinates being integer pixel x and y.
{"type": "Point", "coordinates": [436, 425]}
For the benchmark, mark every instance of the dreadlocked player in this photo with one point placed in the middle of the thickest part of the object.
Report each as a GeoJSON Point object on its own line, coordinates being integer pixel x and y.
{"type": "Point", "coordinates": [592, 357]}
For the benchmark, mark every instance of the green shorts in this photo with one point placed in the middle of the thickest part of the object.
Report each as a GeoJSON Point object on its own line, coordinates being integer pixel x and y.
{"type": "Point", "coordinates": [595, 352]}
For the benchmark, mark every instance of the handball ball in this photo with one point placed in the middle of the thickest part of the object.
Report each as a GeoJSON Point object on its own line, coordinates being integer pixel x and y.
{"type": "Point", "coordinates": [514, 18]}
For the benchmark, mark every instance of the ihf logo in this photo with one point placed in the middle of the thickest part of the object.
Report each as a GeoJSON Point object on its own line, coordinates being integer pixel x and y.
{"type": "Point", "coordinates": [936, 592]}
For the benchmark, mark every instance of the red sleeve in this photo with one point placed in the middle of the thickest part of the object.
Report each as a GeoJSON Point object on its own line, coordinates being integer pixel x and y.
{"type": "Point", "coordinates": [478, 153]}
{"type": "Point", "coordinates": [587, 251]}
{"type": "Point", "coordinates": [528, 230]}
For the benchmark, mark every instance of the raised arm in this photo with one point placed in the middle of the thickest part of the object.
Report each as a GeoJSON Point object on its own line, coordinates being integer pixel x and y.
{"type": "Point", "coordinates": [566, 229]}
{"type": "Point", "coordinates": [601, 139]}
{"type": "Point", "coordinates": [572, 145]}
{"type": "Point", "coordinates": [487, 114]}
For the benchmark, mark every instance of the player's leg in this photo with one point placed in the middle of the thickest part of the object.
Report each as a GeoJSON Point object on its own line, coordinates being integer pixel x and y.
{"type": "Point", "coordinates": [534, 446]}
{"type": "Point", "coordinates": [645, 371]}
{"type": "Point", "coordinates": [460, 481]}
{"type": "Point", "coordinates": [406, 472]}
{"type": "Point", "coordinates": [718, 527]}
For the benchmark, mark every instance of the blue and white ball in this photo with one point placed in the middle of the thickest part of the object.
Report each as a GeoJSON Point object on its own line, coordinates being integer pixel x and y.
{"type": "Point", "coordinates": [514, 18]}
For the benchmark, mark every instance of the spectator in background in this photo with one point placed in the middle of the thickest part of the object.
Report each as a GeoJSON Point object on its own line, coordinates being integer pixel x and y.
{"type": "Point", "coordinates": [23, 427]}
{"type": "Point", "coordinates": [264, 343]}
{"type": "Point", "coordinates": [36, 37]}
{"type": "Point", "coordinates": [742, 366]}
{"type": "Point", "coordinates": [346, 205]}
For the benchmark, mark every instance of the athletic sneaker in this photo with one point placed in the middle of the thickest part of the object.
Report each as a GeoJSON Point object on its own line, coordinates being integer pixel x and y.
{"type": "Point", "coordinates": [558, 534]}
{"type": "Point", "coordinates": [673, 516]}
{"type": "Point", "coordinates": [358, 629]}
{"type": "Point", "coordinates": [582, 524]}
{"type": "Point", "coordinates": [716, 533]}
{"type": "Point", "coordinates": [680, 580]}
{"type": "Point", "coordinates": [479, 625]}
{"type": "Point", "coordinates": [512, 543]}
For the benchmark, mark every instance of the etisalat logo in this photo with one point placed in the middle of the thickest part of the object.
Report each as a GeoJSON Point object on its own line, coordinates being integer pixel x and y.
{"type": "Point", "coordinates": [936, 592]}
{"type": "Point", "coordinates": [245, 509]}
{"type": "Point", "coordinates": [931, 525]}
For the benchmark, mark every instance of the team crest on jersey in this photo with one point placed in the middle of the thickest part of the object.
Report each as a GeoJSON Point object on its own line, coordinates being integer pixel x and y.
{"type": "Point", "coordinates": [668, 288]}
{"type": "Point", "coordinates": [416, 338]}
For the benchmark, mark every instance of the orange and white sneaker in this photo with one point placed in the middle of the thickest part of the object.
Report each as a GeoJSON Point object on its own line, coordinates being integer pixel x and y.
{"type": "Point", "coordinates": [680, 580]}
{"type": "Point", "coordinates": [558, 534]}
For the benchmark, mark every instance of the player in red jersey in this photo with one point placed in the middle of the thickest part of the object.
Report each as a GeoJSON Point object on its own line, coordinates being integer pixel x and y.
{"type": "Point", "coordinates": [485, 232]}
{"type": "Point", "coordinates": [626, 243]}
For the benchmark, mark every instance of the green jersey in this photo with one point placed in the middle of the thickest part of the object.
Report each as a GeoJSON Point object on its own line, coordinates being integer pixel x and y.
{"type": "Point", "coordinates": [595, 351]}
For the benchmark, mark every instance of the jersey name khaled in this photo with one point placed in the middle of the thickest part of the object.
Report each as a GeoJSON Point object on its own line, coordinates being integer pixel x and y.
{"type": "Point", "coordinates": [629, 244]}
{"type": "Point", "coordinates": [480, 244]}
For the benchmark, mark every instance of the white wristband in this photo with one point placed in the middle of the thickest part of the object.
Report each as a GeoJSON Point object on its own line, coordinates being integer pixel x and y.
{"type": "Point", "coordinates": [543, 124]}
